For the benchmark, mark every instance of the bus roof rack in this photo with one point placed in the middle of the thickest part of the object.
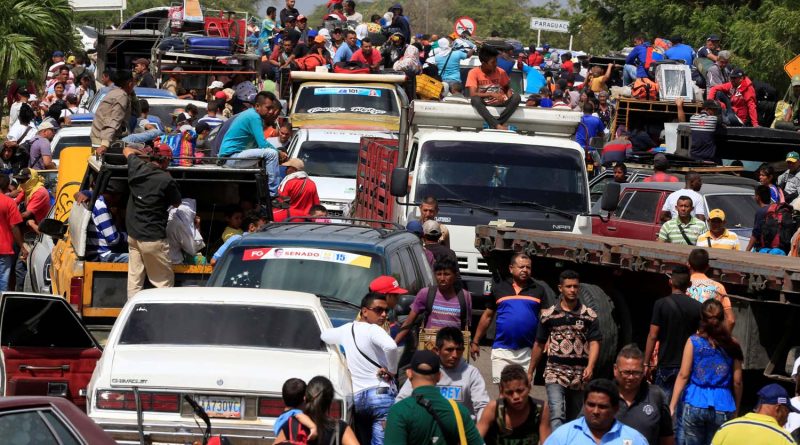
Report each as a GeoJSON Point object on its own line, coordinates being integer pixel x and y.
{"type": "Point", "coordinates": [306, 76]}
{"type": "Point", "coordinates": [539, 121]}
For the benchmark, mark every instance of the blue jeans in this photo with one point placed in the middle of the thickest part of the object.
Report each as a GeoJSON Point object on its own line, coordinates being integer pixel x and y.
{"type": "Point", "coordinates": [143, 137]}
{"type": "Point", "coordinates": [270, 156]}
{"type": "Point", "coordinates": [629, 74]}
{"type": "Point", "coordinates": [700, 424]}
{"type": "Point", "coordinates": [6, 264]}
{"type": "Point", "coordinates": [665, 379]}
{"type": "Point", "coordinates": [371, 409]}
{"type": "Point", "coordinates": [114, 257]}
{"type": "Point", "coordinates": [565, 404]}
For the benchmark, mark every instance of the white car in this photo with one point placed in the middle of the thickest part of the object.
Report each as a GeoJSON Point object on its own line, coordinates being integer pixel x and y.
{"type": "Point", "coordinates": [331, 160]}
{"type": "Point", "coordinates": [230, 350]}
{"type": "Point", "coordinates": [77, 136]}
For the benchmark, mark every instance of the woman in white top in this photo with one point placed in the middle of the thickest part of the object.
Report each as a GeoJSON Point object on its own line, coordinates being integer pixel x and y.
{"type": "Point", "coordinates": [23, 129]}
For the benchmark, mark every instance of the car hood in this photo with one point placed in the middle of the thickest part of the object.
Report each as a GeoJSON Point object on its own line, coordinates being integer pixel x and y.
{"type": "Point", "coordinates": [215, 368]}
{"type": "Point", "coordinates": [335, 189]}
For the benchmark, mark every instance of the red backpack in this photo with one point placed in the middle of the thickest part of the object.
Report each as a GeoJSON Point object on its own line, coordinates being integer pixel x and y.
{"type": "Point", "coordinates": [297, 433]}
{"type": "Point", "coordinates": [779, 227]}
{"type": "Point", "coordinates": [645, 89]}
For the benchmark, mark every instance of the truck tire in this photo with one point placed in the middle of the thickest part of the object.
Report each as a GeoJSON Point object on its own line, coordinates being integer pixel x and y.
{"type": "Point", "coordinates": [622, 318]}
{"type": "Point", "coordinates": [595, 298]}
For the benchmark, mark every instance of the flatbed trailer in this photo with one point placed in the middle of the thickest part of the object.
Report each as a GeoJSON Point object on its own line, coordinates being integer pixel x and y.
{"type": "Point", "coordinates": [764, 289]}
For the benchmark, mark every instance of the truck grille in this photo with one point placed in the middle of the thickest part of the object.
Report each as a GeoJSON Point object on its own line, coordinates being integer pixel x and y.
{"type": "Point", "coordinates": [463, 264]}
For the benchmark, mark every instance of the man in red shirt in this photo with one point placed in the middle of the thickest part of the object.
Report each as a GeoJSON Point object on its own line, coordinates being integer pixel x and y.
{"type": "Point", "coordinates": [368, 55]}
{"type": "Point", "coordinates": [37, 205]}
{"type": "Point", "coordinates": [660, 167]}
{"type": "Point", "coordinates": [299, 189]}
{"type": "Point", "coordinates": [489, 85]}
{"type": "Point", "coordinates": [9, 233]}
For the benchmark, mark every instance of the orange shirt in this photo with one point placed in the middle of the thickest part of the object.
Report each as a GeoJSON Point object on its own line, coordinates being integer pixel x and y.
{"type": "Point", "coordinates": [494, 82]}
{"type": "Point", "coordinates": [270, 132]}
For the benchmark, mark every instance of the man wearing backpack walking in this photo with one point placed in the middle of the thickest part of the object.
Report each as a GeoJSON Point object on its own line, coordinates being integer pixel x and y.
{"type": "Point", "coordinates": [372, 360]}
{"type": "Point", "coordinates": [789, 181]}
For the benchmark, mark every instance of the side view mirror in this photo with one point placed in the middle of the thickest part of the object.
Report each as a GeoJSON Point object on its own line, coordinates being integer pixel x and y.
{"type": "Point", "coordinates": [404, 304]}
{"type": "Point", "coordinates": [399, 182]}
{"type": "Point", "coordinates": [53, 227]}
{"type": "Point", "coordinates": [610, 199]}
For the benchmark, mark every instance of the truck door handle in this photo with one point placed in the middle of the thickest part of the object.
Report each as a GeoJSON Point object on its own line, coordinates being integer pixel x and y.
{"type": "Point", "coordinates": [62, 368]}
{"type": "Point", "coordinates": [611, 229]}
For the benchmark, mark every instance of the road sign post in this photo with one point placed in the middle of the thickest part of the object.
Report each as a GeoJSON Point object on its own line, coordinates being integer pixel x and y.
{"type": "Point", "coordinates": [544, 24]}
{"type": "Point", "coordinates": [465, 24]}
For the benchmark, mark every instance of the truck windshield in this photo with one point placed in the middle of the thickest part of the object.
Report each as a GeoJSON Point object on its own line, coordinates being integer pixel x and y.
{"type": "Point", "coordinates": [330, 159]}
{"type": "Point", "coordinates": [324, 272]}
{"type": "Point", "coordinates": [491, 173]}
{"type": "Point", "coordinates": [242, 325]}
{"type": "Point", "coordinates": [359, 100]}
{"type": "Point", "coordinates": [740, 210]}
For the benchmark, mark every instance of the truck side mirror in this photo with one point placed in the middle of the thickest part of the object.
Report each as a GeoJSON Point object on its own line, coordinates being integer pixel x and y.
{"type": "Point", "coordinates": [53, 227]}
{"type": "Point", "coordinates": [399, 182]}
{"type": "Point", "coordinates": [610, 199]}
{"type": "Point", "coordinates": [404, 305]}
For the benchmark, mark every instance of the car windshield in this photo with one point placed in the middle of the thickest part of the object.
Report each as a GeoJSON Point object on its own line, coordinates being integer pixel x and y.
{"type": "Point", "coordinates": [334, 273]}
{"type": "Point", "coordinates": [71, 141]}
{"type": "Point", "coordinates": [165, 111]}
{"type": "Point", "coordinates": [330, 159]}
{"type": "Point", "coordinates": [740, 210]}
{"type": "Point", "coordinates": [490, 173]}
{"type": "Point", "coordinates": [210, 324]}
{"type": "Point", "coordinates": [359, 100]}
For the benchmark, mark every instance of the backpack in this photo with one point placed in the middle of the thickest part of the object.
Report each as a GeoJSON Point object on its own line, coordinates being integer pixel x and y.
{"type": "Point", "coordinates": [779, 227]}
{"type": "Point", "coordinates": [462, 303]}
{"type": "Point", "coordinates": [309, 62]}
{"type": "Point", "coordinates": [297, 435]}
{"type": "Point", "coordinates": [645, 89]}
{"type": "Point", "coordinates": [351, 68]}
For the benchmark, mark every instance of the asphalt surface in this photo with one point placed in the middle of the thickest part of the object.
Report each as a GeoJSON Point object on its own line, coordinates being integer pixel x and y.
{"type": "Point", "coordinates": [484, 365]}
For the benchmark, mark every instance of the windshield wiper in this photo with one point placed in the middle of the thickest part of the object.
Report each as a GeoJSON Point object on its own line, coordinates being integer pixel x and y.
{"type": "Point", "coordinates": [536, 205]}
{"type": "Point", "coordinates": [468, 204]}
{"type": "Point", "coordinates": [330, 299]}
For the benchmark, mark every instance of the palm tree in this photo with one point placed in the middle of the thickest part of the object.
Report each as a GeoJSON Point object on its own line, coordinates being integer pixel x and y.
{"type": "Point", "coordinates": [29, 31]}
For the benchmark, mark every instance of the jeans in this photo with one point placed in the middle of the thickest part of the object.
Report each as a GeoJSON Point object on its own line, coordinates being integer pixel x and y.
{"type": "Point", "coordinates": [729, 117]}
{"type": "Point", "coordinates": [565, 404]}
{"type": "Point", "coordinates": [6, 264]}
{"type": "Point", "coordinates": [114, 257]}
{"type": "Point", "coordinates": [510, 107]}
{"type": "Point", "coordinates": [270, 156]}
{"type": "Point", "coordinates": [371, 409]}
{"type": "Point", "coordinates": [700, 424]}
{"type": "Point", "coordinates": [143, 137]}
{"type": "Point", "coordinates": [629, 74]}
{"type": "Point", "coordinates": [665, 379]}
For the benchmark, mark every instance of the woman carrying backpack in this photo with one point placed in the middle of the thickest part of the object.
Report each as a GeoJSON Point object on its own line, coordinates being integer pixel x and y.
{"type": "Point", "coordinates": [766, 176]}
{"type": "Point", "coordinates": [330, 431]}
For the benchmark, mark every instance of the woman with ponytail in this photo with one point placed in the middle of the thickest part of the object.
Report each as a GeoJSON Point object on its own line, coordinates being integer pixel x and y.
{"type": "Point", "coordinates": [711, 374]}
{"type": "Point", "coordinates": [318, 400]}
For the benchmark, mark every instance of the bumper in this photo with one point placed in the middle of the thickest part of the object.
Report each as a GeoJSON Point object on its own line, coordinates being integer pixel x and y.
{"type": "Point", "coordinates": [185, 431]}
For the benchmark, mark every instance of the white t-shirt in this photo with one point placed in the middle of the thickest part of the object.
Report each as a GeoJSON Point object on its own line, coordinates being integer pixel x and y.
{"type": "Point", "coordinates": [672, 201]}
{"type": "Point", "coordinates": [372, 341]}
{"type": "Point", "coordinates": [793, 422]}
{"type": "Point", "coordinates": [13, 112]}
{"type": "Point", "coordinates": [356, 17]}
{"type": "Point", "coordinates": [17, 130]}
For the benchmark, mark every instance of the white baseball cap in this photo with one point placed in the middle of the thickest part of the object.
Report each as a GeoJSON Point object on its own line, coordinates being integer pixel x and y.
{"type": "Point", "coordinates": [216, 84]}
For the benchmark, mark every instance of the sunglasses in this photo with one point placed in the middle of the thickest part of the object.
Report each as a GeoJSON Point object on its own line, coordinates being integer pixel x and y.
{"type": "Point", "coordinates": [379, 310]}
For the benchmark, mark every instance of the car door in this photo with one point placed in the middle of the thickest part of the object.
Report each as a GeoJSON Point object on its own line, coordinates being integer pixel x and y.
{"type": "Point", "coordinates": [608, 226]}
{"type": "Point", "coordinates": [639, 218]}
{"type": "Point", "coordinates": [46, 349]}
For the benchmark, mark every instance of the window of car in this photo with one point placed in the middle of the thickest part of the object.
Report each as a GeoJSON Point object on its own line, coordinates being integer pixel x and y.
{"type": "Point", "coordinates": [411, 280]}
{"type": "Point", "coordinates": [623, 201]}
{"type": "Point", "coordinates": [41, 323]}
{"type": "Point", "coordinates": [59, 427]}
{"type": "Point", "coordinates": [26, 427]}
{"type": "Point", "coordinates": [209, 324]}
{"type": "Point", "coordinates": [740, 210]}
{"type": "Point", "coordinates": [641, 207]}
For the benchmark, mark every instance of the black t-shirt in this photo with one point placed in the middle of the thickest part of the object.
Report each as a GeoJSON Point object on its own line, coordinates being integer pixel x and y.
{"type": "Point", "coordinates": [153, 191]}
{"type": "Point", "coordinates": [440, 252]}
{"type": "Point", "coordinates": [648, 414]}
{"type": "Point", "coordinates": [678, 317]}
{"type": "Point", "coordinates": [147, 80]}
{"type": "Point", "coordinates": [286, 12]}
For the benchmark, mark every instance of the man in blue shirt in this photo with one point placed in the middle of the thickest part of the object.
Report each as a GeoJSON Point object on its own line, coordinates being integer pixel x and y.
{"type": "Point", "coordinates": [246, 132]}
{"type": "Point", "coordinates": [345, 52]}
{"type": "Point", "coordinates": [534, 79]}
{"type": "Point", "coordinates": [448, 61]}
{"type": "Point", "coordinates": [680, 51]}
{"type": "Point", "coordinates": [636, 64]}
{"type": "Point", "coordinates": [590, 126]}
{"type": "Point", "coordinates": [598, 424]}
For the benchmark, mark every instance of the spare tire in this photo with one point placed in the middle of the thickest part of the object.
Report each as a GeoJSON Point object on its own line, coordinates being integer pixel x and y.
{"type": "Point", "coordinates": [550, 296]}
{"type": "Point", "coordinates": [595, 298]}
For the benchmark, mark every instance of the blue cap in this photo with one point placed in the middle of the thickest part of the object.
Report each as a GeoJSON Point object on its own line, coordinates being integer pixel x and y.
{"type": "Point", "coordinates": [774, 394]}
{"type": "Point", "coordinates": [414, 227]}
{"type": "Point", "coordinates": [312, 33]}
{"type": "Point", "coordinates": [58, 54]}
{"type": "Point", "coordinates": [546, 45]}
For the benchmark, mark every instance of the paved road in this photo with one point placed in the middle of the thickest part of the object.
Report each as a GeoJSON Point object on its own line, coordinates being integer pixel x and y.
{"type": "Point", "coordinates": [484, 365]}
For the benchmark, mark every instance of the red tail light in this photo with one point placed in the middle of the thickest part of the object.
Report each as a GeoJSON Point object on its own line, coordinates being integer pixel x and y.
{"type": "Point", "coordinates": [336, 409]}
{"type": "Point", "coordinates": [126, 401]}
{"type": "Point", "coordinates": [270, 407]}
{"type": "Point", "coordinates": [76, 293]}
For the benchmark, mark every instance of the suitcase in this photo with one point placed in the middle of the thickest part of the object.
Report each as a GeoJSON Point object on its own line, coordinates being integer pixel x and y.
{"type": "Point", "coordinates": [171, 44]}
{"type": "Point", "coordinates": [209, 46]}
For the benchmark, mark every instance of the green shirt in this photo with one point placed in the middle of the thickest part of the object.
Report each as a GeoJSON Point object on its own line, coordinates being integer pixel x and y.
{"type": "Point", "coordinates": [671, 231]}
{"type": "Point", "coordinates": [411, 424]}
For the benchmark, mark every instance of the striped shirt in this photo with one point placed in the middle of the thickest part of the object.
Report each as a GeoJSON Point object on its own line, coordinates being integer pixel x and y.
{"type": "Point", "coordinates": [102, 234]}
{"type": "Point", "coordinates": [728, 240]}
{"type": "Point", "coordinates": [703, 128]}
{"type": "Point", "coordinates": [446, 311]}
{"type": "Point", "coordinates": [671, 231]}
{"type": "Point", "coordinates": [212, 122]}
{"type": "Point", "coordinates": [752, 428]}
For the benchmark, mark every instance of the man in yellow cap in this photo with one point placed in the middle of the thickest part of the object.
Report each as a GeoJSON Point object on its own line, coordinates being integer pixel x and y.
{"type": "Point", "coordinates": [717, 236]}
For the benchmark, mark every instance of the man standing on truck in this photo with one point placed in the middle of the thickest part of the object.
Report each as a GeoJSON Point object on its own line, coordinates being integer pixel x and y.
{"type": "Point", "coordinates": [694, 182]}
{"type": "Point", "coordinates": [685, 229]}
{"type": "Point", "coordinates": [704, 128]}
{"type": "Point", "coordinates": [429, 210]}
{"type": "Point", "coordinates": [675, 318]}
{"type": "Point", "coordinates": [570, 330]}
{"type": "Point", "coordinates": [372, 359]}
{"type": "Point", "coordinates": [517, 302]}
{"type": "Point", "coordinates": [152, 192]}
{"type": "Point", "coordinates": [246, 131]}
{"type": "Point", "coordinates": [789, 181]}
{"type": "Point", "coordinates": [112, 115]}
{"type": "Point", "coordinates": [143, 77]}
{"type": "Point", "coordinates": [490, 86]}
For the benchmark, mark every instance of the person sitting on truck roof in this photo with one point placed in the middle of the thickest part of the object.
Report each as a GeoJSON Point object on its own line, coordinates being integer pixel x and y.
{"type": "Point", "coordinates": [705, 127]}
{"type": "Point", "coordinates": [683, 229]}
{"type": "Point", "coordinates": [739, 98]}
{"type": "Point", "coordinates": [717, 236]}
{"type": "Point", "coordinates": [680, 51]}
{"type": "Point", "coordinates": [345, 52]}
{"type": "Point", "coordinates": [617, 149]}
{"type": "Point", "coordinates": [694, 182]}
{"type": "Point", "coordinates": [429, 210]}
{"type": "Point", "coordinates": [711, 49]}
{"type": "Point", "coordinates": [246, 131]}
{"type": "Point", "coordinates": [719, 72]}
{"type": "Point", "coordinates": [638, 60]}
{"type": "Point", "coordinates": [490, 86]}
{"type": "Point", "coordinates": [368, 55]}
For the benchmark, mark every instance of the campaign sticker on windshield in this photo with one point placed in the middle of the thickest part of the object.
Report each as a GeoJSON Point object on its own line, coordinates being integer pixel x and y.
{"type": "Point", "coordinates": [371, 92]}
{"type": "Point", "coordinates": [303, 253]}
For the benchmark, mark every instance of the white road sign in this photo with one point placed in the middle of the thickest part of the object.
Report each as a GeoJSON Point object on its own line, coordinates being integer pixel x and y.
{"type": "Point", "coordinates": [553, 25]}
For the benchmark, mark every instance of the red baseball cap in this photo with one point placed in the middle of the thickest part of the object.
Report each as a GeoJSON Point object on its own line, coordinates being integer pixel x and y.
{"type": "Point", "coordinates": [385, 284]}
{"type": "Point", "coordinates": [164, 150]}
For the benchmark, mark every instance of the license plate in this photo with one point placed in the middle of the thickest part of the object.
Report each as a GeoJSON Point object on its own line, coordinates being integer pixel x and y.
{"type": "Point", "coordinates": [221, 407]}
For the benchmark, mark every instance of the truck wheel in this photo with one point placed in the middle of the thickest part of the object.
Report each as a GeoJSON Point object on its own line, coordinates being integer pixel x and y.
{"type": "Point", "coordinates": [622, 318]}
{"type": "Point", "coordinates": [595, 298]}
{"type": "Point", "coordinates": [550, 296]}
